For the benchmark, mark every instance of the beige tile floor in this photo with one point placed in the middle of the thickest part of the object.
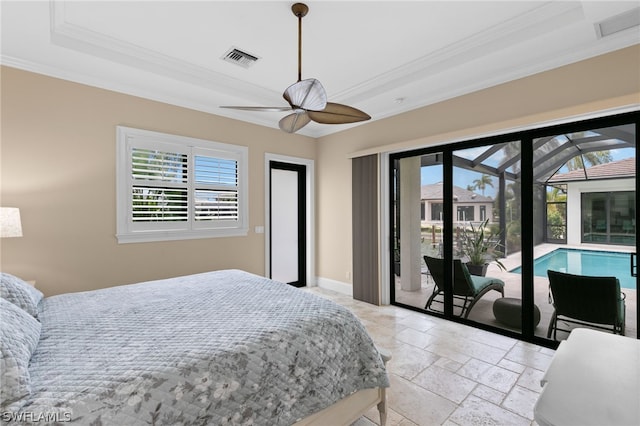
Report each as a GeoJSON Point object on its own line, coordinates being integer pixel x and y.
{"type": "Point", "coordinates": [444, 373]}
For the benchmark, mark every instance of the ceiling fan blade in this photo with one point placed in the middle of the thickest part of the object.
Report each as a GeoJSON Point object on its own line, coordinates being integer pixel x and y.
{"type": "Point", "coordinates": [306, 94]}
{"type": "Point", "coordinates": [256, 108]}
{"type": "Point", "coordinates": [338, 114]}
{"type": "Point", "coordinates": [294, 122]}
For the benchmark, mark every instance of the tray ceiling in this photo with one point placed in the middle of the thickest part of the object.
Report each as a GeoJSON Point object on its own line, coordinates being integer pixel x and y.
{"type": "Point", "coordinates": [383, 57]}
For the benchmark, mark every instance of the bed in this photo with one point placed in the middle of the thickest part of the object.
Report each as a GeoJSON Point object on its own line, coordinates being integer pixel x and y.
{"type": "Point", "coordinates": [223, 347]}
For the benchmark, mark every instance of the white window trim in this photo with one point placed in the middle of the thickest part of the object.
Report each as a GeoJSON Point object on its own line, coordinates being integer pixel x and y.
{"type": "Point", "coordinates": [125, 139]}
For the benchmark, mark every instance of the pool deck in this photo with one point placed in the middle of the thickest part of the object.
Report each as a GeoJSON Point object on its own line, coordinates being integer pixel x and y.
{"type": "Point", "coordinates": [483, 310]}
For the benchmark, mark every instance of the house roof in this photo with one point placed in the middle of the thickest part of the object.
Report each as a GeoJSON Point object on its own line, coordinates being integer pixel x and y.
{"type": "Point", "coordinates": [616, 169]}
{"type": "Point", "coordinates": [460, 195]}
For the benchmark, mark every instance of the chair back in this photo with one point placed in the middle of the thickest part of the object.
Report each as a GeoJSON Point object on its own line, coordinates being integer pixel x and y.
{"type": "Point", "coordinates": [461, 276]}
{"type": "Point", "coordinates": [591, 299]}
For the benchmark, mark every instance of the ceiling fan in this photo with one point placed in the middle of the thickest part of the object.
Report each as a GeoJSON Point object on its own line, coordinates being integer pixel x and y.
{"type": "Point", "coordinates": [307, 98]}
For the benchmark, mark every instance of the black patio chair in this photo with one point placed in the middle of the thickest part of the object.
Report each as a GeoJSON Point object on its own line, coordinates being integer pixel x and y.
{"type": "Point", "coordinates": [595, 302]}
{"type": "Point", "coordinates": [467, 288]}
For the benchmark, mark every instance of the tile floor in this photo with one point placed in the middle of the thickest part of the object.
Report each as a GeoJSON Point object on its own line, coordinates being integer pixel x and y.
{"type": "Point", "coordinates": [443, 373]}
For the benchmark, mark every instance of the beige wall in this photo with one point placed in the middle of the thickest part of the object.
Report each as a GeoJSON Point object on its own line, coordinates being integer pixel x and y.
{"type": "Point", "coordinates": [58, 167]}
{"type": "Point", "coordinates": [599, 84]}
{"type": "Point", "coordinates": [47, 122]}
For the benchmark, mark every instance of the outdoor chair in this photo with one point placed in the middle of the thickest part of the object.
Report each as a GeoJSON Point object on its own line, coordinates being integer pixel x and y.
{"type": "Point", "coordinates": [589, 301]}
{"type": "Point", "coordinates": [467, 288]}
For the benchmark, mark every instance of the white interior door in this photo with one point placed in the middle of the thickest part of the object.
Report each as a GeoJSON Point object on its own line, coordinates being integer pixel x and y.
{"type": "Point", "coordinates": [287, 223]}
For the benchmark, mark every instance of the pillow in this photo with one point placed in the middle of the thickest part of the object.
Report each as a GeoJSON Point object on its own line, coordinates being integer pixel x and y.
{"type": "Point", "coordinates": [19, 335]}
{"type": "Point", "coordinates": [20, 293]}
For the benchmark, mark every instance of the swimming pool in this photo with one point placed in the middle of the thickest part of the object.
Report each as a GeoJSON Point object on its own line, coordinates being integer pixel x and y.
{"type": "Point", "coordinates": [585, 262]}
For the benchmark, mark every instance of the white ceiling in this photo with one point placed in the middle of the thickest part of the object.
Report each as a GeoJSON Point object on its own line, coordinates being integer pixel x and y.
{"type": "Point", "coordinates": [383, 57]}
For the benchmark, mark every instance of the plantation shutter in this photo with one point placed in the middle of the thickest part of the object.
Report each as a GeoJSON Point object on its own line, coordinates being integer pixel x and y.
{"type": "Point", "coordinates": [181, 187]}
{"type": "Point", "coordinates": [174, 187]}
{"type": "Point", "coordinates": [159, 186]}
{"type": "Point", "coordinates": [216, 190]}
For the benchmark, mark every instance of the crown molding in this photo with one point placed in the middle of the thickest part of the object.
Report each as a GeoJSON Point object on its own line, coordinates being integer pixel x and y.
{"type": "Point", "coordinates": [427, 80]}
{"type": "Point", "coordinates": [544, 18]}
{"type": "Point", "coordinates": [567, 57]}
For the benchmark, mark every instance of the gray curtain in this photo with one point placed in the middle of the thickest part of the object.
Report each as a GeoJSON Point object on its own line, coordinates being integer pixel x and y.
{"type": "Point", "coordinates": [366, 280]}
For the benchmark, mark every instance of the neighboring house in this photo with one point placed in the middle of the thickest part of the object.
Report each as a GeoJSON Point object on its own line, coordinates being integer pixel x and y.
{"type": "Point", "coordinates": [467, 205]}
{"type": "Point", "coordinates": [604, 199]}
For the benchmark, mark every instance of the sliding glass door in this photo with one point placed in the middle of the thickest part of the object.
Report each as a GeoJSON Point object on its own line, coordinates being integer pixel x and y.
{"type": "Point", "coordinates": [608, 217]}
{"type": "Point", "coordinates": [474, 224]}
{"type": "Point", "coordinates": [456, 232]}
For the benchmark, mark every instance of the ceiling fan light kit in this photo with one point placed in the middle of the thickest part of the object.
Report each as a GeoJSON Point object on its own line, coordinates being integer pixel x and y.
{"type": "Point", "coordinates": [307, 98]}
{"type": "Point", "coordinates": [307, 94]}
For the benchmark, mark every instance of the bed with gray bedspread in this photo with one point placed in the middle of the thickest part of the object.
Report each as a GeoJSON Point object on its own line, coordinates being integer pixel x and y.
{"type": "Point", "coordinates": [223, 347]}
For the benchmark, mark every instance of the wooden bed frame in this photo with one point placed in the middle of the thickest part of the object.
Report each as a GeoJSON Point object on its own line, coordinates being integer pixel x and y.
{"type": "Point", "coordinates": [349, 409]}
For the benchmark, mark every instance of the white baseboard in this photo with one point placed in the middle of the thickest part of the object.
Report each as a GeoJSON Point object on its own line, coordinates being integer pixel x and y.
{"type": "Point", "coordinates": [333, 285]}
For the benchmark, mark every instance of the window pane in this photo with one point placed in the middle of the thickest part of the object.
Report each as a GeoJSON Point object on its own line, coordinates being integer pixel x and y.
{"type": "Point", "coordinates": [158, 166]}
{"type": "Point", "coordinates": [466, 213]}
{"type": "Point", "coordinates": [216, 205]}
{"type": "Point", "coordinates": [588, 180]}
{"type": "Point", "coordinates": [623, 227]}
{"type": "Point", "coordinates": [151, 204]}
{"type": "Point", "coordinates": [436, 212]}
{"type": "Point", "coordinates": [216, 171]}
{"type": "Point", "coordinates": [486, 233]}
{"type": "Point", "coordinates": [609, 217]}
{"type": "Point", "coordinates": [417, 229]}
{"type": "Point", "coordinates": [594, 217]}
{"type": "Point", "coordinates": [556, 222]}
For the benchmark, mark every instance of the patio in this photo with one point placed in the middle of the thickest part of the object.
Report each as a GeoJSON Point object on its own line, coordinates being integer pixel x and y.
{"type": "Point", "coordinates": [483, 310]}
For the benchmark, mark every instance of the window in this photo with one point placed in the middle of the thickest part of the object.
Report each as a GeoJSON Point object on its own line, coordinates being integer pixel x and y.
{"type": "Point", "coordinates": [173, 187]}
{"type": "Point", "coordinates": [436, 211]}
{"type": "Point", "coordinates": [465, 213]}
{"type": "Point", "coordinates": [609, 217]}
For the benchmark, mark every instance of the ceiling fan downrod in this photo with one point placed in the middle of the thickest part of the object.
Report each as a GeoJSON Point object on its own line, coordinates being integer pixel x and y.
{"type": "Point", "coordinates": [307, 99]}
{"type": "Point", "coordinates": [300, 10]}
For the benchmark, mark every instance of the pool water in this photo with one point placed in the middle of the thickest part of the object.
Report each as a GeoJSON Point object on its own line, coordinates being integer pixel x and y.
{"type": "Point", "coordinates": [586, 262]}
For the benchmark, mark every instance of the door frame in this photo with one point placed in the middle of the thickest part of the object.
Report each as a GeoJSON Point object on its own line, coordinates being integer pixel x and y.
{"type": "Point", "coordinates": [310, 213]}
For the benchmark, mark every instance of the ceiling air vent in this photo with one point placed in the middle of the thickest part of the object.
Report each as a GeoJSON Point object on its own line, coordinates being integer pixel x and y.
{"type": "Point", "coordinates": [239, 57]}
{"type": "Point", "coordinates": [618, 23]}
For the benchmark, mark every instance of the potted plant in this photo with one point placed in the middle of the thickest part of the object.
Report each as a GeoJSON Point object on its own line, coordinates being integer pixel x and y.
{"type": "Point", "coordinates": [480, 249]}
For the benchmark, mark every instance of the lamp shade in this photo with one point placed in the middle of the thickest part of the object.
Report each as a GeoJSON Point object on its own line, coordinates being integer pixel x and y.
{"type": "Point", "coordinates": [10, 225]}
